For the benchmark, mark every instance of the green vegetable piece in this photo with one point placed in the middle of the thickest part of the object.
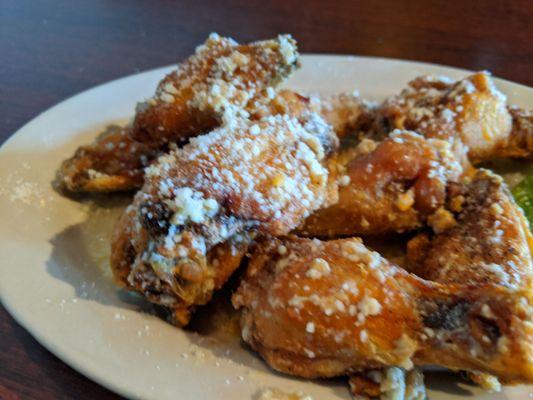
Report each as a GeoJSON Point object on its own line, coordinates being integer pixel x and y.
{"type": "Point", "coordinates": [523, 194]}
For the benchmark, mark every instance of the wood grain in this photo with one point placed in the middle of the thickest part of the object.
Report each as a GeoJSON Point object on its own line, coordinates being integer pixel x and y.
{"type": "Point", "coordinates": [52, 49]}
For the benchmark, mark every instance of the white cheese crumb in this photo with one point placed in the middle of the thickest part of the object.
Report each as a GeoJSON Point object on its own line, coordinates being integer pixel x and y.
{"type": "Point", "coordinates": [309, 353]}
{"type": "Point", "coordinates": [255, 130]}
{"type": "Point", "coordinates": [319, 268]}
{"type": "Point", "coordinates": [369, 306]}
{"type": "Point", "coordinates": [344, 180]}
{"type": "Point", "coordinates": [282, 250]}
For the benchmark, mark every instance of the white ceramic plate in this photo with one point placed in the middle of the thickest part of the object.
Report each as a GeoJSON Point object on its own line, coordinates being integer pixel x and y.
{"type": "Point", "coordinates": [54, 275]}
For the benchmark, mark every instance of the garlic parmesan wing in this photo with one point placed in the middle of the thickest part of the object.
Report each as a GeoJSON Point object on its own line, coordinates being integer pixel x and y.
{"type": "Point", "coordinates": [220, 80]}
{"type": "Point", "coordinates": [489, 244]}
{"type": "Point", "coordinates": [393, 186]}
{"type": "Point", "coordinates": [472, 111]}
{"type": "Point", "coordinates": [320, 309]}
{"type": "Point", "coordinates": [222, 189]}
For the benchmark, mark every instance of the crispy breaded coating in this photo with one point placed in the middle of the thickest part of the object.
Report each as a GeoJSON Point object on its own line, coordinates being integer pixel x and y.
{"type": "Point", "coordinates": [220, 80]}
{"type": "Point", "coordinates": [392, 186]}
{"type": "Point", "coordinates": [319, 309]}
{"type": "Point", "coordinates": [489, 244]}
{"type": "Point", "coordinates": [471, 110]}
{"type": "Point", "coordinates": [237, 182]}
{"type": "Point", "coordinates": [113, 162]}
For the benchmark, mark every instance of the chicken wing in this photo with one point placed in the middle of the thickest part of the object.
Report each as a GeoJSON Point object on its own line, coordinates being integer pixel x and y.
{"type": "Point", "coordinates": [490, 244]}
{"type": "Point", "coordinates": [393, 186]}
{"type": "Point", "coordinates": [113, 162]}
{"type": "Point", "coordinates": [222, 78]}
{"type": "Point", "coordinates": [322, 309]}
{"type": "Point", "coordinates": [471, 110]}
{"type": "Point", "coordinates": [223, 188]}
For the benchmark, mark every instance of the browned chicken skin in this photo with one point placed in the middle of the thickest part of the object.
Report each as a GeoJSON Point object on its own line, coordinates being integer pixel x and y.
{"type": "Point", "coordinates": [489, 244]}
{"type": "Point", "coordinates": [393, 186]}
{"type": "Point", "coordinates": [321, 309]}
{"type": "Point", "coordinates": [471, 110]}
{"type": "Point", "coordinates": [114, 161]}
{"type": "Point", "coordinates": [251, 178]}
{"type": "Point", "coordinates": [221, 79]}
{"type": "Point", "coordinates": [347, 113]}
{"type": "Point", "coordinates": [520, 143]}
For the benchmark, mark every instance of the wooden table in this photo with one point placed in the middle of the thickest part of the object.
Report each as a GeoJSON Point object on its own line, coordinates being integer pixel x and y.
{"type": "Point", "coordinates": [52, 49]}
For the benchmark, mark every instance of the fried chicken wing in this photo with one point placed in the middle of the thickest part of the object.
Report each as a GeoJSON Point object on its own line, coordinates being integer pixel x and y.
{"type": "Point", "coordinates": [471, 110]}
{"type": "Point", "coordinates": [114, 161]}
{"type": "Point", "coordinates": [322, 309]}
{"type": "Point", "coordinates": [221, 78]}
{"type": "Point", "coordinates": [393, 186]}
{"type": "Point", "coordinates": [520, 144]}
{"type": "Point", "coordinates": [228, 186]}
{"type": "Point", "coordinates": [490, 244]}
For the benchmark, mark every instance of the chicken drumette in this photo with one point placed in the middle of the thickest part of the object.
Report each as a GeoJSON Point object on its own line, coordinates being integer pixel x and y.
{"type": "Point", "coordinates": [322, 309]}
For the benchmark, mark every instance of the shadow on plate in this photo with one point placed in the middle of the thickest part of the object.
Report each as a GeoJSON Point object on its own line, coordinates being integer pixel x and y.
{"type": "Point", "coordinates": [80, 257]}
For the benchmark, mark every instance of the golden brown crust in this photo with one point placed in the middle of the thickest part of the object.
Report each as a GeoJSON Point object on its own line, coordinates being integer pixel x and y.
{"type": "Point", "coordinates": [249, 178]}
{"type": "Point", "coordinates": [113, 162]}
{"type": "Point", "coordinates": [490, 244]}
{"type": "Point", "coordinates": [393, 187]}
{"type": "Point", "coordinates": [470, 110]}
{"type": "Point", "coordinates": [221, 77]}
{"type": "Point", "coordinates": [128, 239]}
{"type": "Point", "coordinates": [344, 308]}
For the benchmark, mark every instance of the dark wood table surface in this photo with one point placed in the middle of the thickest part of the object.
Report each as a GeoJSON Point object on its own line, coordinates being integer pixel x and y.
{"type": "Point", "coordinates": [52, 49]}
